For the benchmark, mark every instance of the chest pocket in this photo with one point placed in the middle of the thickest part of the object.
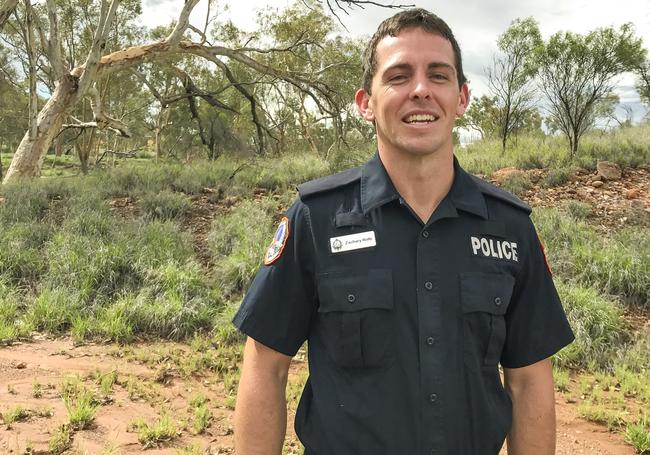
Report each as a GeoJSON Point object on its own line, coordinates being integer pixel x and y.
{"type": "Point", "coordinates": [484, 299]}
{"type": "Point", "coordinates": [356, 317]}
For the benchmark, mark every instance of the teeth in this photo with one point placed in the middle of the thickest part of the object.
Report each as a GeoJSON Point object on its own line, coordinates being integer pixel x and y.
{"type": "Point", "coordinates": [420, 118]}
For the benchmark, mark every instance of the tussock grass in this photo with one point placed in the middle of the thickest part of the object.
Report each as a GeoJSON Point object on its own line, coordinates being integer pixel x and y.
{"type": "Point", "coordinates": [618, 265]}
{"type": "Point", "coordinates": [239, 239]}
{"type": "Point", "coordinates": [165, 205]}
{"type": "Point", "coordinates": [597, 324]}
{"type": "Point", "coordinates": [156, 433]}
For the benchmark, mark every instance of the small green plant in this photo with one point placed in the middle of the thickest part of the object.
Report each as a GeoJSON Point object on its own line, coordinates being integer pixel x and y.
{"type": "Point", "coordinates": [557, 176]}
{"type": "Point", "coordinates": [600, 413]}
{"type": "Point", "coordinates": [81, 410]}
{"type": "Point", "coordinates": [155, 434]}
{"type": "Point", "coordinates": [517, 184]}
{"type": "Point", "coordinates": [202, 418]}
{"type": "Point", "coordinates": [60, 440]}
{"type": "Point", "coordinates": [165, 205]}
{"type": "Point", "coordinates": [638, 436]}
{"type": "Point", "coordinates": [37, 389]}
{"type": "Point", "coordinates": [561, 378]}
{"type": "Point", "coordinates": [15, 414]}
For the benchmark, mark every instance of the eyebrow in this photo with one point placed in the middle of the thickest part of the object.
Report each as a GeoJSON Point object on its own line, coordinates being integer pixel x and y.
{"type": "Point", "coordinates": [407, 66]}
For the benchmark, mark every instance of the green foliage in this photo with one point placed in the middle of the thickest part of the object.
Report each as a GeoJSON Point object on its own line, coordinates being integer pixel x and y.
{"type": "Point", "coordinates": [638, 437]}
{"type": "Point", "coordinates": [157, 433]}
{"type": "Point", "coordinates": [52, 311]}
{"type": "Point", "coordinates": [81, 409]}
{"type": "Point", "coordinates": [165, 205]}
{"type": "Point", "coordinates": [618, 265]}
{"type": "Point", "coordinates": [60, 440]}
{"type": "Point", "coordinates": [15, 414]}
{"type": "Point", "coordinates": [557, 176]}
{"type": "Point", "coordinates": [238, 245]}
{"type": "Point", "coordinates": [576, 73]}
{"type": "Point", "coordinates": [597, 325]}
{"type": "Point", "coordinates": [517, 184]}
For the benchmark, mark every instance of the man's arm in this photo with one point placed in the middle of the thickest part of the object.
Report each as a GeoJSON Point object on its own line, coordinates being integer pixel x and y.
{"type": "Point", "coordinates": [533, 402]}
{"type": "Point", "coordinates": [261, 409]}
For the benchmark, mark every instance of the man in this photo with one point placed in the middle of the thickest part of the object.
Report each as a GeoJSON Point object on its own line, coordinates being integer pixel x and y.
{"type": "Point", "coordinates": [411, 280]}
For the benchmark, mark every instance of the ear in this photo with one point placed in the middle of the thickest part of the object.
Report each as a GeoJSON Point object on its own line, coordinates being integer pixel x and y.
{"type": "Point", "coordinates": [364, 106]}
{"type": "Point", "coordinates": [463, 100]}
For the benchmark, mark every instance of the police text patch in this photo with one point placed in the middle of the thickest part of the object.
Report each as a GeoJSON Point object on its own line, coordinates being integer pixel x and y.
{"type": "Point", "coordinates": [352, 242]}
{"type": "Point", "coordinates": [492, 248]}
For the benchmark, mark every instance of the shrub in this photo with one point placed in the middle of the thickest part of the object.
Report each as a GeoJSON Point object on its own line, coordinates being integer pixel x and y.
{"type": "Point", "coordinates": [165, 205]}
{"type": "Point", "coordinates": [238, 244]}
{"type": "Point", "coordinates": [598, 327]}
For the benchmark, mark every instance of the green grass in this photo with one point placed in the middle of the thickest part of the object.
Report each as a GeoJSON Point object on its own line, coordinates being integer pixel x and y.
{"type": "Point", "coordinates": [155, 434]}
{"type": "Point", "coordinates": [638, 437]}
{"type": "Point", "coordinates": [597, 325]}
{"type": "Point", "coordinates": [616, 265]}
{"type": "Point", "coordinates": [81, 409]}
{"type": "Point", "coordinates": [16, 414]}
{"type": "Point", "coordinates": [626, 147]}
{"type": "Point", "coordinates": [60, 440]}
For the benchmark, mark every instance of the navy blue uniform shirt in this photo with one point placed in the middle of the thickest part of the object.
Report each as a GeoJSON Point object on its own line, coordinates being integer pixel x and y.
{"type": "Point", "coordinates": [406, 321]}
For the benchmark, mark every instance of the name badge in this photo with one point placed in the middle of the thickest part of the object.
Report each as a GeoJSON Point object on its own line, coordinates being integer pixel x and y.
{"type": "Point", "coordinates": [352, 242]}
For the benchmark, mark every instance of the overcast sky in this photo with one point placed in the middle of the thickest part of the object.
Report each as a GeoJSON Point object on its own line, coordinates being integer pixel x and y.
{"type": "Point", "coordinates": [476, 24]}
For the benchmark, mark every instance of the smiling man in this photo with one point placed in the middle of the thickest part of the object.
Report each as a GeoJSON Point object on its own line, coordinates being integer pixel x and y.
{"type": "Point", "coordinates": [412, 281]}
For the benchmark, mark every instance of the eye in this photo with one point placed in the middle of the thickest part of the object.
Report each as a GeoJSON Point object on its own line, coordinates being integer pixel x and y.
{"type": "Point", "coordinates": [397, 78]}
{"type": "Point", "coordinates": [439, 77]}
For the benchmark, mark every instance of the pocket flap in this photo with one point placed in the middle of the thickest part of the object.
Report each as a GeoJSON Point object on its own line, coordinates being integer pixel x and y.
{"type": "Point", "coordinates": [343, 291]}
{"type": "Point", "coordinates": [486, 292]}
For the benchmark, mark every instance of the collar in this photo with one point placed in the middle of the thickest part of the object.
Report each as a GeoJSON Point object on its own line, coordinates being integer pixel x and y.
{"type": "Point", "coordinates": [377, 189]}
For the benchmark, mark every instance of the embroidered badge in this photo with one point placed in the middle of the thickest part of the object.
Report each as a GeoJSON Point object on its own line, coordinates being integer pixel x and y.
{"type": "Point", "coordinates": [491, 248]}
{"type": "Point", "coordinates": [353, 242]}
{"type": "Point", "coordinates": [277, 244]}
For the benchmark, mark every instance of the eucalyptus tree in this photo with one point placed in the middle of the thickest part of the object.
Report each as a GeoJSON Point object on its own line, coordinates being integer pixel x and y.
{"type": "Point", "coordinates": [577, 75]}
{"type": "Point", "coordinates": [261, 62]}
{"type": "Point", "coordinates": [511, 77]}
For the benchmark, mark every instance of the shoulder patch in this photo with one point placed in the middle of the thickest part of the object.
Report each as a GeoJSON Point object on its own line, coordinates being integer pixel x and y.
{"type": "Point", "coordinates": [501, 194]}
{"type": "Point", "coordinates": [280, 238]}
{"type": "Point", "coordinates": [329, 182]}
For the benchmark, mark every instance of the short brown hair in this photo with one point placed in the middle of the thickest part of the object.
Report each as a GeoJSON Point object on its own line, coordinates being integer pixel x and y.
{"type": "Point", "coordinates": [411, 18]}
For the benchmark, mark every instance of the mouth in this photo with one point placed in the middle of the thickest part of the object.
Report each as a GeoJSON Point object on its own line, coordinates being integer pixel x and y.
{"type": "Point", "coordinates": [420, 118]}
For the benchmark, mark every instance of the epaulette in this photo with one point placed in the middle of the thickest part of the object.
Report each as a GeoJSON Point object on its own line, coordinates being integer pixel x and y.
{"type": "Point", "coordinates": [329, 182]}
{"type": "Point", "coordinates": [503, 195]}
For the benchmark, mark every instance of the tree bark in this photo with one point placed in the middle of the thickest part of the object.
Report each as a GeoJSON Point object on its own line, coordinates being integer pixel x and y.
{"type": "Point", "coordinates": [29, 156]}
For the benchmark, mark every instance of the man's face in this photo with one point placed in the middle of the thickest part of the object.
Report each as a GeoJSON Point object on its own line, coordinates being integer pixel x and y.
{"type": "Point", "coordinates": [415, 95]}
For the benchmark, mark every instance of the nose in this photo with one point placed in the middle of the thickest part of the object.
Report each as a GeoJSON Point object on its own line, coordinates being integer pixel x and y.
{"type": "Point", "coordinates": [421, 88]}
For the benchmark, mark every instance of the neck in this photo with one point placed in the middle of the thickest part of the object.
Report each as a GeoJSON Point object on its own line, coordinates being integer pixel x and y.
{"type": "Point", "coordinates": [422, 181]}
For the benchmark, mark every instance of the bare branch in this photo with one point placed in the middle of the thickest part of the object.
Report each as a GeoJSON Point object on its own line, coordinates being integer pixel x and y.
{"type": "Point", "coordinates": [183, 22]}
{"type": "Point", "coordinates": [6, 8]}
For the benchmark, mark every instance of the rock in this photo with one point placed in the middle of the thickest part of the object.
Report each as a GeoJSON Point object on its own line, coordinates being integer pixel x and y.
{"type": "Point", "coordinates": [608, 170]}
{"type": "Point", "coordinates": [597, 183]}
{"type": "Point", "coordinates": [598, 178]}
{"type": "Point", "coordinates": [502, 174]}
{"type": "Point", "coordinates": [634, 193]}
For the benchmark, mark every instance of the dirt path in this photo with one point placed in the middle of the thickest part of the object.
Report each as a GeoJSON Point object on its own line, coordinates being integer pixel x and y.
{"type": "Point", "coordinates": [50, 362]}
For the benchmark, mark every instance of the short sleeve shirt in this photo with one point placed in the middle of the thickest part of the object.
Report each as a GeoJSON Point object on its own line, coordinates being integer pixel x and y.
{"type": "Point", "coordinates": [406, 321]}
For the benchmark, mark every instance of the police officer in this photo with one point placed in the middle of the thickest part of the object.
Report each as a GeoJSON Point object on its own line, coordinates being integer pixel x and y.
{"type": "Point", "coordinates": [411, 280]}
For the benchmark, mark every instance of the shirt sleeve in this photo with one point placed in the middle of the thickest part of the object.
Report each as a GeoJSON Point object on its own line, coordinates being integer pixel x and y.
{"type": "Point", "coordinates": [279, 305]}
{"type": "Point", "coordinates": [536, 325]}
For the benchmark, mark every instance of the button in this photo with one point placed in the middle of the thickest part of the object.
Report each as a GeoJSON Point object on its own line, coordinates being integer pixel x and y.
{"type": "Point", "coordinates": [351, 298]}
{"type": "Point", "coordinates": [433, 397]}
{"type": "Point", "coordinates": [425, 234]}
{"type": "Point", "coordinates": [497, 301]}
{"type": "Point", "coordinates": [428, 285]}
{"type": "Point", "coordinates": [430, 341]}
